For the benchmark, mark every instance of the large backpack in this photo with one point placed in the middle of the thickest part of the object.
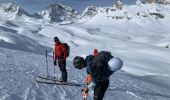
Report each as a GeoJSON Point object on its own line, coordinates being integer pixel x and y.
{"type": "Point", "coordinates": [66, 49]}
{"type": "Point", "coordinates": [99, 66]}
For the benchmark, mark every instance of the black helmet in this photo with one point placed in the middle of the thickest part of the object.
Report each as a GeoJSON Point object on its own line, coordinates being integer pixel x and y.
{"type": "Point", "coordinates": [56, 39]}
{"type": "Point", "coordinates": [79, 62]}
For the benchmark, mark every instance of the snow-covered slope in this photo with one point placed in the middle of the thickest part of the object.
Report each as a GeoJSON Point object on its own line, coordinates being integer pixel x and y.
{"type": "Point", "coordinates": [16, 34]}
{"type": "Point", "coordinates": [134, 22]}
{"type": "Point", "coordinates": [136, 34]}
{"type": "Point", "coordinates": [20, 69]}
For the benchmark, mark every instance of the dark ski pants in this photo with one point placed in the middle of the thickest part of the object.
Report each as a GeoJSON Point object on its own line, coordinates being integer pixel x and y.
{"type": "Point", "coordinates": [100, 89]}
{"type": "Point", "coordinates": [62, 66]}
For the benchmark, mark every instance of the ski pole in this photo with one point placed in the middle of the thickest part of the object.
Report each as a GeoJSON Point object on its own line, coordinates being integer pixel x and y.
{"type": "Point", "coordinates": [54, 65]}
{"type": "Point", "coordinates": [47, 63]}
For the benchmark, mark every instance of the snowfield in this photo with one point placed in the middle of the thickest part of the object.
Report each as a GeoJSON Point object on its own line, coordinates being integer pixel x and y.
{"type": "Point", "coordinates": [18, 71]}
{"type": "Point", "coordinates": [136, 34]}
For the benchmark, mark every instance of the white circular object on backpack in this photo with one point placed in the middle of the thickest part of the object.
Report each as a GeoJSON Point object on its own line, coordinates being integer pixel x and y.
{"type": "Point", "coordinates": [115, 64]}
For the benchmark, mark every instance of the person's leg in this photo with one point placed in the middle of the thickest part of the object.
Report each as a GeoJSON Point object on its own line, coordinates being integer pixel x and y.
{"type": "Point", "coordinates": [97, 92]}
{"type": "Point", "coordinates": [62, 66]}
{"type": "Point", "coordinates": [103, 87]}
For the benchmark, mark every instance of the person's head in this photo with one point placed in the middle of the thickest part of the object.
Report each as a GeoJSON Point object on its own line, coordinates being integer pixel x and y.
{"type": "Point", "coordinates": [79, 62]}
{"type": "Point", "coordinates": [95, 52]}
{"type": "Point", "coordinates": [56, 40]}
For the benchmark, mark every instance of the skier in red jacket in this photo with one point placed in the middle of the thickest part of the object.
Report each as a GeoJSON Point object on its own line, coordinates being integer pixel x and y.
{"type": "Point", "coordinates": [60, 58]}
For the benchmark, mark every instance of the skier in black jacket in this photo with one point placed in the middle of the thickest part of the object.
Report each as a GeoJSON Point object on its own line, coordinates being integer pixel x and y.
{"type": "Point", "coordinates": [99, 70]}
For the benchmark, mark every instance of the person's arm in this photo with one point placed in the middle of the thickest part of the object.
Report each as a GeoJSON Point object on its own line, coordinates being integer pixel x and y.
{"type": "Point", "coordinates": [90, 72]}
{"type": "Point", "coordinates": [88, 59]}
{"type": "Point", "coordinates": [93, 83]}
{"type": "Point", "coordinates": [54, 54]}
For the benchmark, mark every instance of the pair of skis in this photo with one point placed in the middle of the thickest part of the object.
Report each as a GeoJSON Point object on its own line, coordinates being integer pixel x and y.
{"type": "Point", "coordinates": [54, 81]}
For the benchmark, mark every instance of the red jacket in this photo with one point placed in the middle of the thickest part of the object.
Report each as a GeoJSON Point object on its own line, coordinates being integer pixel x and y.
{"type": "Point", "coordinates": [59, 51]}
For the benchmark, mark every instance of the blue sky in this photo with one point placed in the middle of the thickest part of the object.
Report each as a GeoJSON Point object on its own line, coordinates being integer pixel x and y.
{"type": "Point", "coordinates": [33, 6]}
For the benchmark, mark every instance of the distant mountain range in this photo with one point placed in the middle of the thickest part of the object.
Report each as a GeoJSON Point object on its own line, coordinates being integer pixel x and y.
{"type": "Point", "coordinates": [33, 6]}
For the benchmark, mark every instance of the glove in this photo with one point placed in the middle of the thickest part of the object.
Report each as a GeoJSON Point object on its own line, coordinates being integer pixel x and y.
{"type": "Point", "coordinates": [55, 62]}
{"type": "Point", "coordinates": [82, 90]}
{"type": "Point", "coordinates": [91, 85]}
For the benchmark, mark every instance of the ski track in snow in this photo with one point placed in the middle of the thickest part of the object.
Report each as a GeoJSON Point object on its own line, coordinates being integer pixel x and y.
{"type": "Point", "coordinates": [18, 71]}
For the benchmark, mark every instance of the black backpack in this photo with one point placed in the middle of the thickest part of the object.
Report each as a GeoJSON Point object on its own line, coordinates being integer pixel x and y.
{"type": "Point", "coordinates": [99, 66]}
{"type": "Point", "coordinates": [66, 49]}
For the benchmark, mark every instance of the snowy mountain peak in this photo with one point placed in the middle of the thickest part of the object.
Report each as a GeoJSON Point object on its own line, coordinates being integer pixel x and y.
{"type": "Point", "coordinates": [159, 1]}
{"type": "Point", "coordinates": [58, 13]}
{"type": "Point", "coordinates": [11, 8]}
{"type": "Point", "coordinates": [147, 12]}
{"type": "Point", "coordinates": [90, 11]}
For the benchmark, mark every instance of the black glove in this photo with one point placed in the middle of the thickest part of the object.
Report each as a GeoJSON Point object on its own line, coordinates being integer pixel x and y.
{"type": "Point", "coordinates": [55, 63]}
{"type": "Point", "coordinates": [82, 90]}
